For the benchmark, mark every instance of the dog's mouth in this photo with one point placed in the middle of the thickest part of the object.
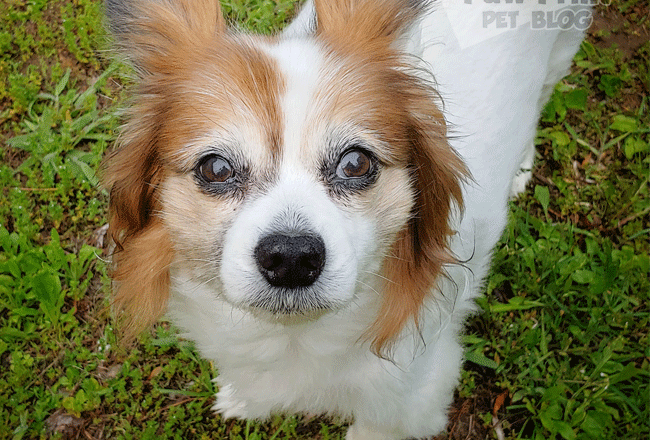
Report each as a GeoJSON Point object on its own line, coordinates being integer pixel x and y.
{"type": "Point", "coordinates": [298, 303]}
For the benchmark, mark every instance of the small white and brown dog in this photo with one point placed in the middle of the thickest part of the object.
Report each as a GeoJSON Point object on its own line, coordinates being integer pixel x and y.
{"type": "Point", "coordinates": [299, 204]}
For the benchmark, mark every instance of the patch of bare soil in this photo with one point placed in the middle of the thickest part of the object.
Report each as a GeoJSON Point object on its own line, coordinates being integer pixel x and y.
{"type": "Point", "coordinates": [610, 27]}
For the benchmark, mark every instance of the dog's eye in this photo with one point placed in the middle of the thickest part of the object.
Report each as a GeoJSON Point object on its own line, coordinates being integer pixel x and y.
{"type": "Point", "coordinates": [216, 169]}
{"type": "Point", "coordinates": [354, 164]}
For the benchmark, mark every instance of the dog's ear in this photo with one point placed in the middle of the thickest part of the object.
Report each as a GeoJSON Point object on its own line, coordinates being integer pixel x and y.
{"type": "Point", "coordinates": [366, 25]}
{"type": "Point", "coordinates": [154, 35]}
{"type": "Point", "coordinates": [143, 251]}
{"type": "Point", "coordinates": [421, 249]}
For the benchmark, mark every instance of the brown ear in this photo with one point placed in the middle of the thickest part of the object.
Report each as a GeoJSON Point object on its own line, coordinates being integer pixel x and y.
{"type": "Point", "coordinates": [422, 247]}
{"type": "Point", "coordinates": [368, 25]}
{"type": "Point", "coordinates": [151, 32]}
{"type": "Point", "coordinates": [143, 250]}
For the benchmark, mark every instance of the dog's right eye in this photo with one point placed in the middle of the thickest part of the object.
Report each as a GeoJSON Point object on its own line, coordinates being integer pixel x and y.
{"type": "Point", "coordinates": [354, 164]}
{"type": "Point", "coordinates": [215, 169]}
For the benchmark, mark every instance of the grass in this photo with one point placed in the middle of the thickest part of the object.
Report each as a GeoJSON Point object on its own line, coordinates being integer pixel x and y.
{"type": "Point", "coordinates": [561, 350]}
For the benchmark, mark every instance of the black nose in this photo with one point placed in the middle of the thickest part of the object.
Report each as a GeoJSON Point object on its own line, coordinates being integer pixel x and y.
{"type": "Point", "coordinates": [290, 261]}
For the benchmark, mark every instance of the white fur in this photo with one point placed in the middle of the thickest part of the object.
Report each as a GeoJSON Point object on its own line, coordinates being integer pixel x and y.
{"type": "Point", "coordinates": [492, 92]}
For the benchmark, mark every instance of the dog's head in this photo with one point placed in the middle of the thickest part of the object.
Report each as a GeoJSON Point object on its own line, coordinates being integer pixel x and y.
{"type": "Point", "coordinates": [288, 174]}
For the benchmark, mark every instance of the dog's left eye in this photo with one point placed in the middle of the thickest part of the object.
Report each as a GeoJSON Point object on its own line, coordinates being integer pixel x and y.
{"type": "Point", "coordinates": [354, 164]}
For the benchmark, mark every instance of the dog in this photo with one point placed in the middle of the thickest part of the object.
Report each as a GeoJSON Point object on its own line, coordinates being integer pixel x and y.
{"type": "Point", "coordinates": [316, 210]}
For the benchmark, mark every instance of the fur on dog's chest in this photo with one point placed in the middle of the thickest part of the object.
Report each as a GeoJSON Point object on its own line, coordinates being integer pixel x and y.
{"type": "Point", "coordinates": [315, 366]}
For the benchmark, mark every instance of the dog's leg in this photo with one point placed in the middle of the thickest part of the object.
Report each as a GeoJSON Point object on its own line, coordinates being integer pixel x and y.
{"type": "Point", "coordinates": [228, 405]}
{"type": "Point", "coordinates": [525, 172]}
{"type": "Point", "coordinates": [559, 63]}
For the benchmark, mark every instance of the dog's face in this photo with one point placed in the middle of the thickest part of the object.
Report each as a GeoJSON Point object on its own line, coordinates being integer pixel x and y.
{"type": "Point", "coordinates": [288, 175]}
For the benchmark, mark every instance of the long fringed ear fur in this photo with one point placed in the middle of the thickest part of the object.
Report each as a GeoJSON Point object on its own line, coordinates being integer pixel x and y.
{"type": "Point", "coordinates": [143, 251]}
{"type": "Point", "coordinates": [421, 249]}
{"type": "Point", "coordinates": [155, 36]}
{"type": "Point", "coordinates": [374, 29]}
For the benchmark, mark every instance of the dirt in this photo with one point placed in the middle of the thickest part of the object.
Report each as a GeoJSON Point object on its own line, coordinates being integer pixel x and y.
{"type": "Point", "coordinates": [611, 27]}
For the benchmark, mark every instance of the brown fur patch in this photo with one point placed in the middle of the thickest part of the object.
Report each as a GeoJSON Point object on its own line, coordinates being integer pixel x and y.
{"type": "Point", "coordinates": [148, 32]}
{"type": "Point", "coordinates": [365, 25]}
{"type": "Point", "coordinates": [255, 76]}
